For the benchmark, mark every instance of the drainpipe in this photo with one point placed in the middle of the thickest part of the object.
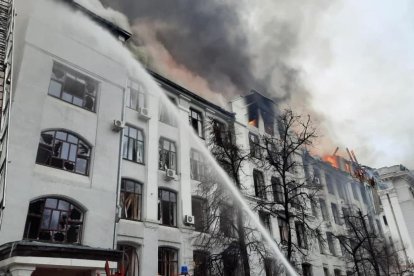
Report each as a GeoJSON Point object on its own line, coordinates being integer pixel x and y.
{"type": "Point", "coordinates": [118, 184]}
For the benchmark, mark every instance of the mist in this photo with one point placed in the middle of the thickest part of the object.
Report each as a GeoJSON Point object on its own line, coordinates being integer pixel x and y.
{"type": "Point", "coordinates": [347, 63]}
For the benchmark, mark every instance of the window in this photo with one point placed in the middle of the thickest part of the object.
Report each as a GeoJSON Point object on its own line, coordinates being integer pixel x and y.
{"type": "Point", "coordinates": [136, 95]}
{"type": "Point", "coordinates": [259, 185]}
{"type": "Point", "coordinates": [196, 121]}
{"type": "Point", "coordinates": [227, 221]}
{"type": "Point", "coordinates": [321, 245]}
{"type": "Point", "coordinates": [231, 261]}
{"type": "Point", "coordinates": [254, 146]}
{"type": "Point", "coordinates": [345, 215]}
{"type": "Point", "coordinates": [331, 245]}
{"type": "Point", "coordinates": [337, 272]}
{"type": "Point", "coordinates": [63, 150]}
{"type": "Point", "coordinates": [167, 261]}
{"type": "Point", "coordinates": [219, 133]}
{"type": "Point", "coordinates": [201, 263]}
{"type": "Point", "coordinates": [324, 211]}
{"type": "Point", "coordinates": [265, 220]}
{"type": "Point", "coordinates": [278, 195]}
{"type": "Point", "coordinates": [198, 165]}
{"type": "Point", "coordinates": [306, 269]}
{"type": "Point", "coordinates": [167, 115]}
{"type": "Point", "coordinates": [326, 271]}
{"type": "Point", "coordinates": [301, 235]}
{"type": "Point", "coordinates": [363, 194]}
{"type": "Point", "coordinates": [131, 199]}
{"type": "Point", "coordinates": [355, 191]}
{"type": "Point", "coordinates": [130, 260]}
{"type": "Point", "coordinates": [341, 190]}
{"type": "Point", "coordinates": [54, 220]}
{"type": "Point", "coordinates": [271, 267]}
{"type": "Point", "coordinates": [133, 144]}
{"type": "Point", "coordinates": [168, 155]}
{"type": "Point", "coordinates": [167, 207]}
{"type": "Point", "coordinates": [335, 213]}
{"type": "Point", "coordinates": [73, 87]}
{"type": "Point", "coordinates": [330, 184]}
{"type": "Point", "coordinates": [283, 229]}
{"type": "Point", "coordinates": [199, 211]}
{"type": "Point", "coordinates": [385, 220]}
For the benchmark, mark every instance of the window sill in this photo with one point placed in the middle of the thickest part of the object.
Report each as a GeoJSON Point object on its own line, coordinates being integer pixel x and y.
{"type": "Point", "coordinates": [71, 104]}
{"type": "Point", "coordinates": [59, 169]}
{"type": "Point", "coordinates": [132, 220]}
{"type": "Point", "coordinates": [135, 162]}
{"type": "Point", "coordinates": [169, 226]}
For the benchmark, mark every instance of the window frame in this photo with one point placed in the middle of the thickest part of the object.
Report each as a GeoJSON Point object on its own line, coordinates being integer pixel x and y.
{"type": "Point", "coordinates": [166, 264]}
{"type": "Point", "coordinates": [278, 194]}
{"type": "Point", "coordinates": [162, 153]}
{"type": "Point", "coordinates": [164, 114]}
{"type": "Point", "coordinates": [134, 193]}
{"type": "Point", "coordinates": [126, 140]}
{"type": "Point", "coordinates": [259, 184]}
{"type": "Point", "coordinates": [53, 151]}
{"type": "Point", "coordinates": [74, 75]}
{"type": "Point", "coordinates": [301, 235]}
{"type": "Point", "coordinates": [140, 90]}
{"type": "Point", "coordinates": [71, 206]}
{"type": "Point", "coordinates": [198, 120]}
{"type": "Point", "coordinates": [198, 165]}
{"type": "Point", "coordinates": [254, 144]}
{"type": "Point", "coordinates": [265, 219]}
{"type": "Point", "coordinates": [201, 264]}
{"type": "Point", "coordinates": [203, 211]}
{"type": "Point", "coordinates": [170, 205]}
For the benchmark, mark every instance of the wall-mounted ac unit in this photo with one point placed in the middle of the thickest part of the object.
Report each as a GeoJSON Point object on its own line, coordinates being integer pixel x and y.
{"type": "Point", "coordinates": [143, 113]}
{"type": "Point", "coordinates": [189, 220]}
{"type": "Point", "coordinates": [169, 174]}
{"type": "Point", "coordinates": [118, 125]}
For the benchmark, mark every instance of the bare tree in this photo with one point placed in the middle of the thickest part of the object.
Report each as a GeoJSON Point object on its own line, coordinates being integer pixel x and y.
{"type": "Point", "coordinates": [226, 225]}
{"type": "Point", "coordinates": [293, 191]}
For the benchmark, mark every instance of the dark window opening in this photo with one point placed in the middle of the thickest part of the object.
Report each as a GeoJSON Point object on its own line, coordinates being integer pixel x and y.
{"type": "Point", "coordinates": [227, 221]}
{"type": "Point", "coordinates": [199, 210]}
{"type": "Point", "coordinates": [73, 87]}
{"type": "Point", "coordinates": [301, 235]}
{"type": "Point", "coordinates": [219, 133]}
{"type": "Point", "coordinates": [331, 245]}
{"type": "Point", "coordinates": [278, 195]}
{"type": "Point", "coordinates": [307, 269]}
{"type": "Point", "coordinates": [167, 207]}
{"type": "Point", "coordinates": [201, 263]}
{"type": "Point", "coordinates": [62, 150]}
{"type": "Point", "coordinates": [265, 220]}
{"type": "Point", "coordinates": [130, 260]}
{"type": "Point", "coordinates": [385, 220]}
{"type": "Point", "coordinates": [167, 261]}
{"type": "Point", "coordinates": [131, 199]}
{"type": "Point", "coordinates": [133, 144]}
{"type": "Point", "coordinates": [255, 150]}
{"type": "Point", "coordinates": [54, 220]}
{"type": "Point", "coordinates": [196, 122]}
{"type": "Point", "coordinates": [167, 155]}
{"type": "Point", "coordinates": [259, 184]}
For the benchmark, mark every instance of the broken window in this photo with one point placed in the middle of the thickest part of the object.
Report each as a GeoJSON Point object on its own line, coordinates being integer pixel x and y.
{"type": "Point", "coordinates": [265, 220]}
{"type": "Point", "coordinates": [167, 261]}
{"type": "Point", "coordinates": [198, 165]}
{"type": "Point", "coordinates": [278, 194]}
{"type": "Point", "coordinates": [307, 269]}
{"type": "Point", "coordinates": [167, 155]}
{"type": "Point", "coordinates": [167, 207]}
{"type": "Point", "coordinates": [283, 229]}
{"type": "Point", "coordinates": [259, 184]}
{"type": "Point", "coordinates": [199, 210]}
{"type": "Point", "coordinates": [54, 220]}
{"type": "Point", "coordinates": [133, 144]}
{"type": "Point", "coordinates": [63, 150]}
{"type": "Point", "coordinates": [130, 260]}
{"type": "Point", "coordinates": [201, 263]}
{"type": "Point", "coordinates": [196, 122]}
{"type": "Point", "coordinates": [167, 115]}
{"type": "Point", "coordinates": [301, 235]}
{"type": "Point", "coordinates": [254, 144]}
{"type": "Point", "coordinates": [136, 95]}
{"type": "Point", "coordinates": [131, 199]}
{"type": "Point", "coordinates": [73, 87]}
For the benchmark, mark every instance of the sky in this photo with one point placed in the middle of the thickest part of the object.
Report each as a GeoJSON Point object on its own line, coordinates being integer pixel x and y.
{"type": "Point", "coordinates": [347, 63]}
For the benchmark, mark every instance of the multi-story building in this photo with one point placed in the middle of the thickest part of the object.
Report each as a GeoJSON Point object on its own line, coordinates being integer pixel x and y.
{"type": "Point", "coordinates": [397, 197]}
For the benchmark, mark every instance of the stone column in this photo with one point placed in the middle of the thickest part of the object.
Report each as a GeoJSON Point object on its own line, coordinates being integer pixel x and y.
{"type": "Point", "coordinates": [21, 270]}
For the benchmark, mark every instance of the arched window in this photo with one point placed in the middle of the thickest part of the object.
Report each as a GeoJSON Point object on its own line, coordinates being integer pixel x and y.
{"type": "Point", "coordinates": [130, 259]}
{"type": "Point", "coordinates": [167, 261]}
{"type": "Point", "coordinates": [54, 220]}
{"type": "Point", "coordinates": [131, 199]}
{"type": "Point", "coordinates": [63, 150]}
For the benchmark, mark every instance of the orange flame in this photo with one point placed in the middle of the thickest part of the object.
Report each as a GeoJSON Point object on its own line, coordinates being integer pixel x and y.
{"type": "Point", "coordinates": [253, 123]}
{"type": "Point", "coordinates": [332, 160]}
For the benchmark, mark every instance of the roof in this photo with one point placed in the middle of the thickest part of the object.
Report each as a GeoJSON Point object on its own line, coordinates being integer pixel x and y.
{"type": "Point", "coordinates": [166, 82]}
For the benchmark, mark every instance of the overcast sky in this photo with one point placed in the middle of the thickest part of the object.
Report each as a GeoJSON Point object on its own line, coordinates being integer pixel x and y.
{"type": "Point", "coordinates": [349, 61]}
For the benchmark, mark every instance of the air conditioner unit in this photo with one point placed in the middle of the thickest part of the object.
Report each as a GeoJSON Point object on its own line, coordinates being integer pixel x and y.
{"type": "Point", "coordinates": [169, 174]}
{"type": "Point", "coordinates": [118, 125]}
{"type": "Point", "coordinates": [143, 113]}
{"type": "Point", "coordinates": [189, 220]}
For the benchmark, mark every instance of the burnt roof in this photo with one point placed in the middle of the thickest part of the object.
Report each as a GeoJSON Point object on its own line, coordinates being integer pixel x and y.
{"type": "Point", "coordinates": [178, 89]}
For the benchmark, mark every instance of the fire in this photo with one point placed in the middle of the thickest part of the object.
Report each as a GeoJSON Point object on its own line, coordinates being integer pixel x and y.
{"type": "Point", "coordinates": [253, 123]}
{"type": "Point", "coordinates": [332, 160]}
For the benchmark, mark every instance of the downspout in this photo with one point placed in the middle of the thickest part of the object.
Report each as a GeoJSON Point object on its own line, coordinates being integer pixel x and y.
{"type": "Point", "coordinates": [118, 184]}
{"type": "Point", "coordinates": [398, 228]}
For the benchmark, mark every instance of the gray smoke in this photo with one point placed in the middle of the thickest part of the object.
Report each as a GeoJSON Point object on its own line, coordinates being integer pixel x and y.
{"type": "Point", "coordinates": [232, 45]}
